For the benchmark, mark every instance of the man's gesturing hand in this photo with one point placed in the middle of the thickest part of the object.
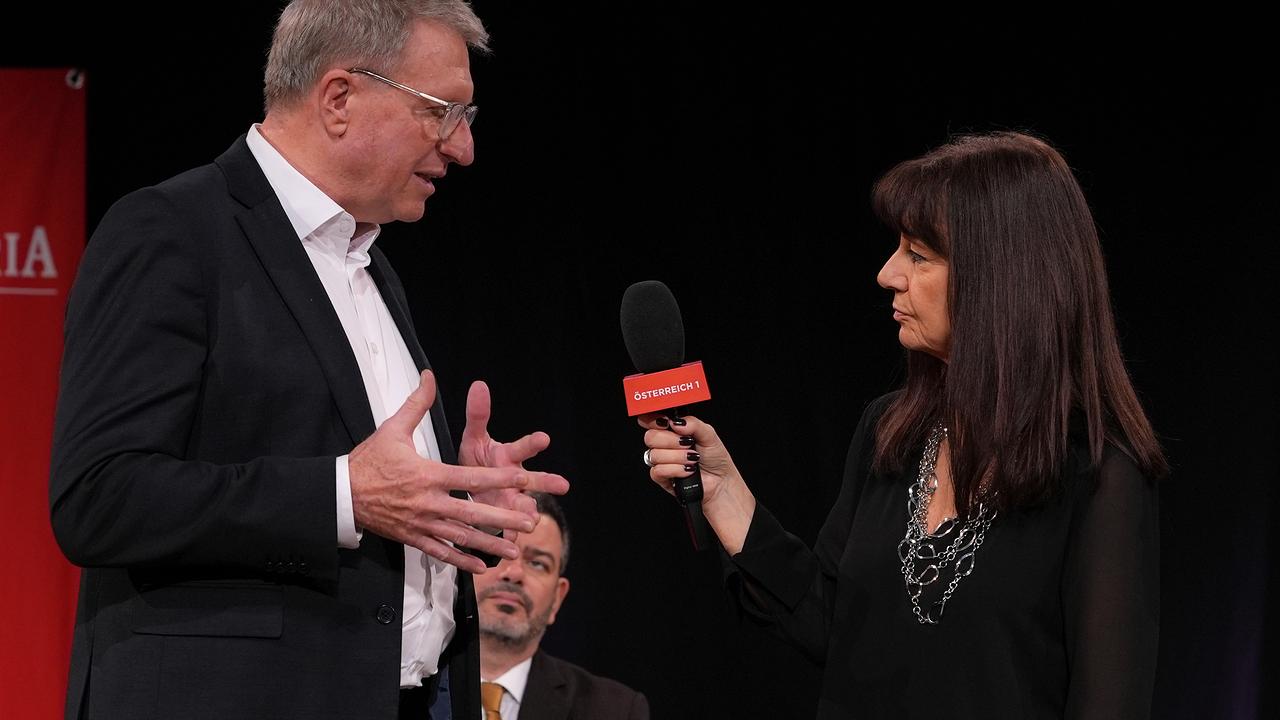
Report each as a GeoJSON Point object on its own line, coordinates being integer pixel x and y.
{"type": "Point", "coordinates": [479, 449]}
{"type": "Point", "coordinates": [398, 494]}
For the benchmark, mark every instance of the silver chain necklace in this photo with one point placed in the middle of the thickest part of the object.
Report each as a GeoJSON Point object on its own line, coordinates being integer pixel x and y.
{"type": "Point", "coordinates": [919, 544]}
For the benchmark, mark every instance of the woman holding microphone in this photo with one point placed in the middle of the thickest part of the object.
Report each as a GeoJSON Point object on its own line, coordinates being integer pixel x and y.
{"type": "Point", "coordinates": [993, 552]}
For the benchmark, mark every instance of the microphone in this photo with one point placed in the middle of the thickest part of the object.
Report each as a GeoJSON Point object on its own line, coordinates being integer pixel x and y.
{"type": "Point", "coordinates": [654, 335]}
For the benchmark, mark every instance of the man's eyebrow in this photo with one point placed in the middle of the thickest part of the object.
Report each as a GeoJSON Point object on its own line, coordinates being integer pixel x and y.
{"type": "Point", "coordinates": [540, 551]}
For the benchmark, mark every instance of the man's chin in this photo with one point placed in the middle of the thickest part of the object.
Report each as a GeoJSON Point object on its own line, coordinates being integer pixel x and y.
{"type": "Point", "coordinates": [509, 635]}
{"type": "Point", "coordinates": [411, 214]}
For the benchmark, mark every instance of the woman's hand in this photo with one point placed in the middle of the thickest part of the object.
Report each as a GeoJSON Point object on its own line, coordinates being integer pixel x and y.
{"type": "Point", "coordinates": [678, 446]}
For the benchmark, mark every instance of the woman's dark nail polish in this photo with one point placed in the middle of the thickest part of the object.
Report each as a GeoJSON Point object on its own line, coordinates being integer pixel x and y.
{"type": "Point", "coordinates": [693, 457]}
{"type": "Point", "coordinates": [686, 441]}
{"type": "Point", "coordinates": [679, 422]}
{"type": "Point", "coordinates": [661, 422]}
{"type": "Point", "coordinates": [690, 468]}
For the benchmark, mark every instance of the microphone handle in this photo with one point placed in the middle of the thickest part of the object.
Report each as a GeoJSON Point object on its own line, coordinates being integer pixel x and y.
{"type": "Point", "coordinates": [689, 495]}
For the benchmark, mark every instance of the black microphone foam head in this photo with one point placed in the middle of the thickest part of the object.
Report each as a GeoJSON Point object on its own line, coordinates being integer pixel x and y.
{"type": "Point", "coordinates": [651, 327]}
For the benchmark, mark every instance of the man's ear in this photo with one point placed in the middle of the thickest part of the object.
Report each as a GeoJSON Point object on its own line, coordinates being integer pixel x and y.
{"type": "Point", "coordinates": [334, 96]}
{"type": "Point", "coordinates": [562, 589]}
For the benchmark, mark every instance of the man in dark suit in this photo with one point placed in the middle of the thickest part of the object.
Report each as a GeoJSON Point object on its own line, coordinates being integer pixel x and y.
{"type": "Point", "coordinates": [249, 461]}
{"type": "Point", "coordinates": [518, 600]}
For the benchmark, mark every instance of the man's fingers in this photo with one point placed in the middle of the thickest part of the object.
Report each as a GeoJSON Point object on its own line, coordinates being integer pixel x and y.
{"type": "Point", "coordinates": [478, 514]}
{"type": "Point", "coordinates": [526, 447]}
{"type": "Point", "coordinates": [484, 515]}
{"type": "Point", "coordinates": [482, 479]}
{"type": "Point", "coordinates": [478, 409]}
{"type": "Point", "coordinates": [546, 482]}
{"type": "Point", "coordinates": [461, 535]}
{"type": "Point", "coordinates": [450, 556]}
{"type": "Point", "coordinates": [405, 506]}
{"type": "Point", "coordinates": [527, 505]}
{"type": "Point", "coordinates": [512, 500]}
{"type": "Point", "coordinates": [415, 407]}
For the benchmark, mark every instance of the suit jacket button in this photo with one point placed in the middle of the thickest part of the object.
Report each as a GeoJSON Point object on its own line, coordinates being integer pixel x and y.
{"type": "Point", "coordinates": [386, 614]}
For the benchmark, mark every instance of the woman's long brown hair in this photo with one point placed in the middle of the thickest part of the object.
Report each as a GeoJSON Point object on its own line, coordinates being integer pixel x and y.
{"type": "Point", "coordinates": [1033, 346]}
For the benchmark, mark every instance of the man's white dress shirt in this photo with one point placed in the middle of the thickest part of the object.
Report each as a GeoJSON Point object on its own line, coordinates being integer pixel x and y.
{"type": "Point", "coordinates": [340, 258]}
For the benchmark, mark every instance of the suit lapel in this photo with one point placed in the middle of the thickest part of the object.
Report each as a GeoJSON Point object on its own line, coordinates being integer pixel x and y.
{"type": "Point", "coordinates": [273, 240]}
{"type": "Point", "coordinates": [546, 694]}
{"type": "Point", "coordinates": [380, 271]}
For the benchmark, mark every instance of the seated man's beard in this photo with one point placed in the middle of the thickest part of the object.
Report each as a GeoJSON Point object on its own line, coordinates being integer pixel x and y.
{"type": "Point", "coordinates": [504, 627]}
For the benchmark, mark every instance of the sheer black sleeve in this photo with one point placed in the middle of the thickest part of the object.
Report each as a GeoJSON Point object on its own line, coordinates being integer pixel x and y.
{"type": "Point", "coordinates": [1111, 594]}
{"type": "Point", "coordinates": [779, 582]}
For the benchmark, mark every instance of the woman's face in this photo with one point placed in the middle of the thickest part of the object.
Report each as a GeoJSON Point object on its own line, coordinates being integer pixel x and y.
{"type": "Point", "coordinates": [918, 278]}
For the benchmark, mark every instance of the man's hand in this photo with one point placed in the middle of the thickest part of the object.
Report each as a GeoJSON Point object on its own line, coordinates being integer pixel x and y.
{"type": "Point", "coordinates": [479, 449]}
{"type": "Point", "coordinates": [400, 495]}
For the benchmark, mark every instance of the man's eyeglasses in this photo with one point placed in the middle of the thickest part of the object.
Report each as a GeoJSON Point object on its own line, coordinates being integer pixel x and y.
{"type": "Point", "coordinates": [451, 113]}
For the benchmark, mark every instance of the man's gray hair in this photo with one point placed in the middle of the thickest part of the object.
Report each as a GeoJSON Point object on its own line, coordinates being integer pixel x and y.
{"type": "Point", "coordinates": [314, 36]}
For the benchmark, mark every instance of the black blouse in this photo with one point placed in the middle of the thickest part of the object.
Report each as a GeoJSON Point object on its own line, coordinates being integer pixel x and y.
{"type": "Point", "coordinates": [1058, 619]}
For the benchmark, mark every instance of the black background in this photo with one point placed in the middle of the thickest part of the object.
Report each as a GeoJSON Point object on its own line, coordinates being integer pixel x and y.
{"type": "Point", "coordinates": [730, 152]}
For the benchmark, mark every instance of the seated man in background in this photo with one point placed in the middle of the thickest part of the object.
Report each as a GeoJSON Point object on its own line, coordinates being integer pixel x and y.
{"type": "Point", "coordinates": [517, 601]}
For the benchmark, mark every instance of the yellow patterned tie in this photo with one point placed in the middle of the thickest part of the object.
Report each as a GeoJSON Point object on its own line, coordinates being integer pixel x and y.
{"type": "Point", "coordinates": [491, 699]}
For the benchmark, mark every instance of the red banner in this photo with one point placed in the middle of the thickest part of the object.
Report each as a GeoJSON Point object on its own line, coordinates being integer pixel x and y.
{"type": "Point", "coordinates": [42, 234]}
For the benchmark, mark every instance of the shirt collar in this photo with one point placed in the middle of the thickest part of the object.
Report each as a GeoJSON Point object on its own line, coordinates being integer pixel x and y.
{"type": "Point", "coordinates": [312, 213]}
{"type": "Point", "coordinates": [515, 679]}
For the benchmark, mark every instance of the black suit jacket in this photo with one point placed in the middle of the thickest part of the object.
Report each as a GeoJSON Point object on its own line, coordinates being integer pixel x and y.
{"type": "Point", "coordinates": [207, 387]}
{"type": "Point", "coordinates": [559, 690]}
